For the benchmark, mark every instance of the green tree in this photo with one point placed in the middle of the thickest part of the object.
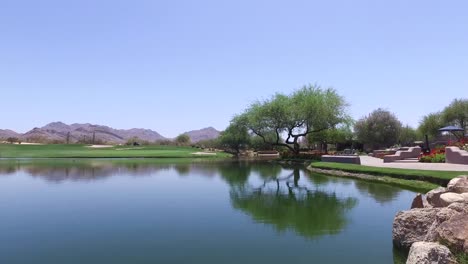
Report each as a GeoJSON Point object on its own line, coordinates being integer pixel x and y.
{"type": "Point", "coordinates": [430, 124]}
{"type": "Point", "coordinates": [310, 109]}
{"type": "Point", "coordinates": [379, 129]}
{"type": "Point", "coordinates": [456, 113]}
{"type": "Point", "coordinates": [183, 140]}
{"type": "Point", "coordinates": [210, 143]}
{"type": "Point", "coordinates": [340, 134]}
{"type": "Point", "coordinates": [12, 140]}
{"type": "Point", "coordinates": [408, 135]}
{"type": "Point", "coordinates": [236, 136]}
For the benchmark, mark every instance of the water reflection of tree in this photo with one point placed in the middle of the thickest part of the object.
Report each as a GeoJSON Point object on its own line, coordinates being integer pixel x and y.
{"type": "Point", "coordinates": [8, 168]}
{"type": "Point", "coordinates": [287, 205]}
{"type": "Point", "coordinates": [238, 172]}
{"type": "Point", "coordinates": [379, 192]}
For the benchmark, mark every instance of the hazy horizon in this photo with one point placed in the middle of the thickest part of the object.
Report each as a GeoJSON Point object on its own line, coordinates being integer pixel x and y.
{"type": "Point", "coordinates": [174, 66]}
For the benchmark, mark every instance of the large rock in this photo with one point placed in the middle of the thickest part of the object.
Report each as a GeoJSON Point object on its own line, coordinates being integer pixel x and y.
{"type": "Point", "coordinates": [433, 197]}
{"type": "Point", "coordinates": [412, 226]}
{"type": "Point", "coordinates": [417, 202]}
{"type": "Point", "coordinates": [443, 215]}
{"type": "Point", "coordinates": [458, 185]}
{"type": "Point", "coordinates": [454, 232]}
{"type": "Point", "coordinates": [459, 207]}
{"type": "Point", "coordinates": [430, 253]}
{"type": "Point", "coordinates": [450, 197]}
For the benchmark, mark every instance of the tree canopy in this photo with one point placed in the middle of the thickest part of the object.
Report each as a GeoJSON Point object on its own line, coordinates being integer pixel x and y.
{"type": "Point", "coordinates": [408, 135]}
{"type": "Point", "coordinates": [236, 136]}
{"type": "Point", "coordinates": [379, 129]}
{"type": "Point", "coordinates": [339, 134]}
{"type": "Point", "coordinates": [430, 125]}
{"type": "Point", "coordinates": [183, 139]}
{"type": "Point", "coordinates": [456, 113]}
{"type": "Point", "coordinates": [310, 109]}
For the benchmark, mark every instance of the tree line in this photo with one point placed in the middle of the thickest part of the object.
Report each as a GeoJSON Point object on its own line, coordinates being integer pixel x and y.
{"type": "Point", "coordinates": [313, 116]}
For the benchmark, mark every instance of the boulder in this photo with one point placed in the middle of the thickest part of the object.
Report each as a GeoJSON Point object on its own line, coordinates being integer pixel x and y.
{"type": "Point", "coordinates": [459, 207]}
{"type": "Point", "coordinates": [465, 196]}
{"type": "Point", "coordinates": [417, 202]}
{"type": "Point", "coordinates": [412, 226]}
{"type": "Point", "coordinates": [442, 215]}
{"type": "Point", "coordinates": [454, 232]}
{"type": "Point", "coordinates": [429, 253]}
{"type": "Point", "coordinates": [433, 197]}
{"type": "Point", "coordinates": [450, 197]}
{"type": "Point", "coordinates": [458, 185]}
{"type": "Point", "coordinates": [426, 203]}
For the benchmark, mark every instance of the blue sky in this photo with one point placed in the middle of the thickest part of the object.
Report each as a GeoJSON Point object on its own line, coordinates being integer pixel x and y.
{"type": "Point", "coordinates": [174, 66]}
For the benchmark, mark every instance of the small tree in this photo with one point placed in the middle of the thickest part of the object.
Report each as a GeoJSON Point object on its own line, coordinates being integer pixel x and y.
{"type": "Point", "coordinates": [12, 140]}
{"type": "Point", "coordinates": [340, 134]}
{"type": "Point", "coordinates": [456, 113]}
{"type": "Point", "coordinates": [379, 129]}
{"type": "Point", "coordinates": [408, 135]}
{"type": "Point", "coordinates": [236, 136]}
{"type": "Point", "coordinates": [133, 141]}
{"type": "Point", "coordinates": [308, 110]}
{"type": "Point", "coordinates": [183, 140]}
{"type": "Point", "coordinates": [430, 124]}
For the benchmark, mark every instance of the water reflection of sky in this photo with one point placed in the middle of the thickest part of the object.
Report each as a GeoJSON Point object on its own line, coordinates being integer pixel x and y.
{"type": "Point", "coordinates": [207, 212]}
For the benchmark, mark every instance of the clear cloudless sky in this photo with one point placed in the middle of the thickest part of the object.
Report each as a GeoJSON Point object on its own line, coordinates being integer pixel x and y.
{"type": "Point", "coordinates": [174, 65]}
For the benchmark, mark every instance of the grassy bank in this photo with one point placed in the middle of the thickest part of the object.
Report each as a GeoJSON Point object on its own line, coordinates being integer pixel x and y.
{"type": "Point", "coordinates": [434, 177]}
{"type": "Point", "coordinates": [85, 151]}
{"type": "Point", "coordinates": [412, 185]}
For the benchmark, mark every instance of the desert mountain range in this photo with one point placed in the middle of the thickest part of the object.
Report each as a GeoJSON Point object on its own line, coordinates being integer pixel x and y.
{"type": "Point", "coordinates": [58, 131]}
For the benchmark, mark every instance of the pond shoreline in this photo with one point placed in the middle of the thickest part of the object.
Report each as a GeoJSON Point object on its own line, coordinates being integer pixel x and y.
{"type": "Point", "coordinates": [412, 185]}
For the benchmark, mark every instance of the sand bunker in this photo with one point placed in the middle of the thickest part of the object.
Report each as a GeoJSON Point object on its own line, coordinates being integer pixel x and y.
{"type": "Point", "coordinates": [100, 146]}
{"type": "Point", "coordinates": [204, 153]}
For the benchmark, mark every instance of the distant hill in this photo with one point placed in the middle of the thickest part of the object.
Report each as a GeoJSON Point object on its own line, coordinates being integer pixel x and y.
{"type": "Point", "coordinates": [58, 131]}
{"type": "Point", "coordinates": [203, 134]}
{"type": "Point", "coordinates": [6, 133]}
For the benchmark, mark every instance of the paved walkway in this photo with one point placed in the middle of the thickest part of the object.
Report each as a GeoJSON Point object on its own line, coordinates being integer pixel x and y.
{"type": "Point", "coordinates": [412, 164]}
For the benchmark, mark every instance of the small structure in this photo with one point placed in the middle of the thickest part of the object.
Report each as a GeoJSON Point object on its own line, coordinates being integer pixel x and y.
{"type": "Point", "coordinates": [412, 152]}
{"type": "Point", "coordinates": [352, 159]}
{"type": "Point", "coordinates": [455, 155]}
{"type": "Point", "coordinates": [267, 153]}
{"type": "Point", "coordinates": [380, 153]}
{"type": "Point", "coordinates": [452, 130]}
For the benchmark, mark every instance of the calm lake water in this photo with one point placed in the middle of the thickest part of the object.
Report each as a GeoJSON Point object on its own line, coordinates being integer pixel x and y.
{"type": "Point", "coordinates": [127, 211]}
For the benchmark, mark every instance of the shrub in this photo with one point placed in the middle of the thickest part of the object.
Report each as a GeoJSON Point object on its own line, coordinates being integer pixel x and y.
{"type": "Point", "coordinates": [433, 158]}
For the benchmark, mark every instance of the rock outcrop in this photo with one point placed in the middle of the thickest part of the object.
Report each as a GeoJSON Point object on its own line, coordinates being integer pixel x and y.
{"type": "Point", "coordinates": [417, 202]}
{"type": "Point", "coordinates": [412, 226]}
{"type": "Point", "coordinates": [443, 219]}
{"type": "Point", "coordinates": [458, 185]}
{"type": "Point", "coordinates": [450, 197]}
{"type": "Point", "coordinates": [433, 197]}
{"type": "Point", "coordinates": [454, 232]}
{"type": "Point", "coordinates": [429, 253]}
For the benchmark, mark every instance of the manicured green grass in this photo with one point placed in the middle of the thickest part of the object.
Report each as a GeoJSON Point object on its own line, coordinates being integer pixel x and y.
{"type": "Point", "coordinates": [462, 258]}
{"type": "Point", "coordinates": [84, 151]}
{"type": "Point", "coordinates": [412, 185]}
{"type": "Point", "coordinates": [436, 177]}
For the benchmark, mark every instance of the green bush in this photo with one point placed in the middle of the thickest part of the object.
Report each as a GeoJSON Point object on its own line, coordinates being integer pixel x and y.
{"type": "Point", "coordinates": [435, 158]}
